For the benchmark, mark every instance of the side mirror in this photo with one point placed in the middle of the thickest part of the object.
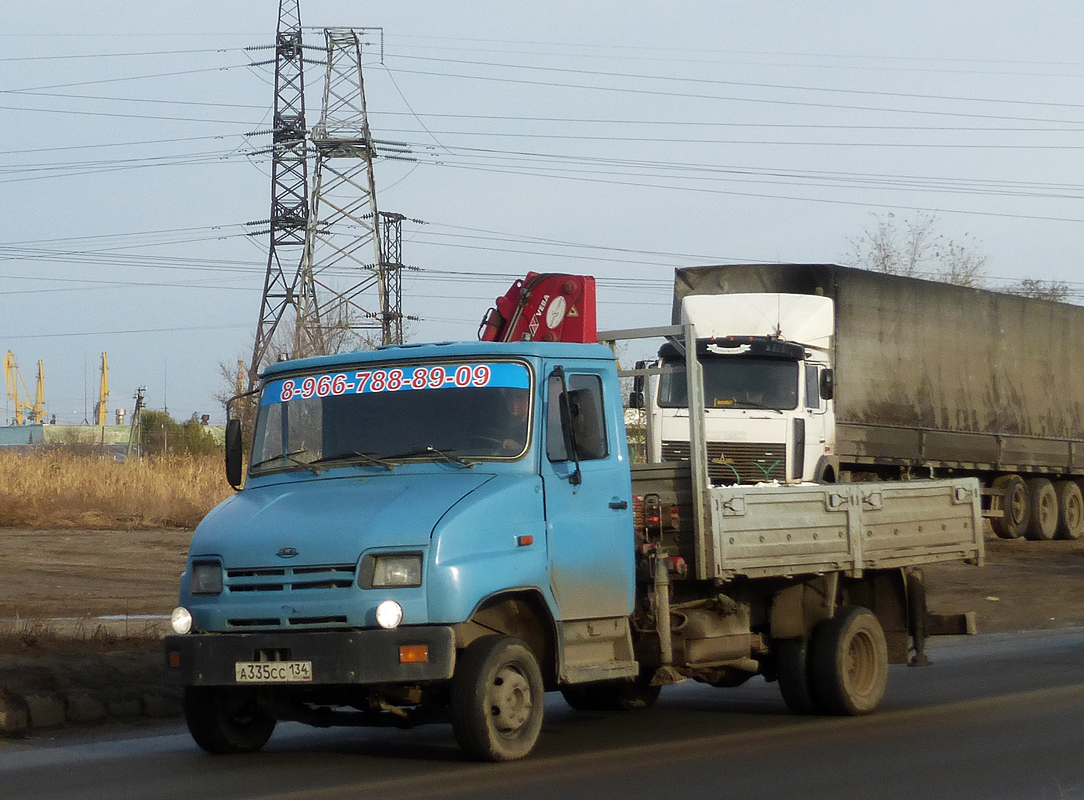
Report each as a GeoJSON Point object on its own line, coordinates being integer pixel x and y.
{"type": "Point", "coordinates": [636, 396]}
{"type": "Point", "coordinates": [234, 452]}
{"type": "Point", "coordinates": [828, 384]}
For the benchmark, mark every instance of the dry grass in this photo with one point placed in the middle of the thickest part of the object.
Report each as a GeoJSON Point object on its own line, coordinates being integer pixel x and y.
{"type": "Point", "coordinates": [54, 489]}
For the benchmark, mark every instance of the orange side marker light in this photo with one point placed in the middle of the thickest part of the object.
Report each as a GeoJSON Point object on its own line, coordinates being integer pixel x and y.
{"type": "Point", "coordinates": [413, 654]}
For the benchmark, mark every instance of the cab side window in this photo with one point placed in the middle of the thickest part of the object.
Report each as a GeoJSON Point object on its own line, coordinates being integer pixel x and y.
{"type": "Point", "coordinates": [586, 413]}
{"type": "Point", "coordinates": [812, 387]}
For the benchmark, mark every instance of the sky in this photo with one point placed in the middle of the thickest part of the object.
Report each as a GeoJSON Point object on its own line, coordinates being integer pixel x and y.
{"type": "Point", "coordinates": [620, 140]}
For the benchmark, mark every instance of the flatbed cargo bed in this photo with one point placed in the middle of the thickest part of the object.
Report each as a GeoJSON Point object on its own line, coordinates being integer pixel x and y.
{"type": "Point", "coordinates": [764, 531]}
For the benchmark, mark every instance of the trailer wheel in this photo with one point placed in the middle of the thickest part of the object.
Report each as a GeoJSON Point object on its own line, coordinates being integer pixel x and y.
{"type": "Point", "coordinates": [848, 663]}
{"type": "Point", "coordinates": [1014, 502]}
{"type": "Point", "coordinates": [226, 720]}
{"type": "Point", "coordinates": [1043, 507]}
{"type": "Point", "coordinates": [612, 695]}
{"type": "Point", "coordinates": [792, 671]}
{"type": "Point", "coordinates": [497, 699]}
{"type": "Point", "coordinates": [1070, 510]}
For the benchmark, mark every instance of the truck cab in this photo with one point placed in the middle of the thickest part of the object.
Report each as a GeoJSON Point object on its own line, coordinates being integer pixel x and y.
{"type": "Point", "coordinates": [768, 386]}
{"type": "Point", "coordinates": [400, 507]}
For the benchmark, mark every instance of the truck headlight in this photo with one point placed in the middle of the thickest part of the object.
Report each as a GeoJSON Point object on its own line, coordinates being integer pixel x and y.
{"type": "Point", "coordinates": [389, 614]}
{"type": "Point", "coordinates": [181, 620]}
{"type": "Point", "coordinates": [397, 570]}
{"type": "Point", "coordinates": [206, 578]}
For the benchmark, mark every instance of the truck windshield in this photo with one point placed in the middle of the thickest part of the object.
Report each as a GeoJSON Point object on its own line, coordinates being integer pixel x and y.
{"type": "Point", "coordinates": [457, 412]}
{"type": "Point", "coordinates": [735, 382]}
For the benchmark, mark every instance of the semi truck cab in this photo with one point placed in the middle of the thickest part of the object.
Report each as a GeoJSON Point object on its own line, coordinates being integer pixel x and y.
{"type": "Point", "coordinates": [768, 389]}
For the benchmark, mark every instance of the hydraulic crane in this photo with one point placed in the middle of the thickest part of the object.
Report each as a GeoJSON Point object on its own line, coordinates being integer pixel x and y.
{"type": "Point", "coordinates": [101, 408]}
{"type": "Point", "coordinates": [14, 379]}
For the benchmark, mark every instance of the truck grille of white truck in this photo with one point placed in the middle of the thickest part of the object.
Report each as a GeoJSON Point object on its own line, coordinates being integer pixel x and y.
{"type": "Point", "coordinates": [736, 462]}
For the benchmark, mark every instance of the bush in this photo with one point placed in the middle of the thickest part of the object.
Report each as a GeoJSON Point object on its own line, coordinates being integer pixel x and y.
{"type": "Point", "coordinates": [160, 434]}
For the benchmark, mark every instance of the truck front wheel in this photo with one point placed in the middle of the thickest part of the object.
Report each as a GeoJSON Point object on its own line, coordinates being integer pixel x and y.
{"type": "Point", "coordinates": [497, 699]}
{"type": "Point", "coordinates": [226, 720]}
{"type": "Point", "coordinates": [848, 663]}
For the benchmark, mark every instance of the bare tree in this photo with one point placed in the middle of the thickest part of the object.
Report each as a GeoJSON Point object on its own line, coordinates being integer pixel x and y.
{"type": "Point", "coordinates": [887, 246]}
{"type": "Point", "coordinates": [1042, 290]}
{"type": "Point", "coordinates": [915, 247]}
{"type": "Point", "coordinates": [960, 264]}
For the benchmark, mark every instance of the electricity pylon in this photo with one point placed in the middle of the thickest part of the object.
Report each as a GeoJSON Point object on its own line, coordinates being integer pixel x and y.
{"type": "Point", "coordinates": [285, 284]}
{"type": "Point", "coordinates": [356, 285]}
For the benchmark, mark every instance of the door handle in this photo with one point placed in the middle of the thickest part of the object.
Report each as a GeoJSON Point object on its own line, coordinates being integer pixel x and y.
{"type": "Point", "coordinates": [619, 505]}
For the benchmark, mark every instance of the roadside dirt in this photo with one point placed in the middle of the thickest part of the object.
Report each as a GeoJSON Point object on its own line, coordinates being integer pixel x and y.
{"type": "Point", "coordinates": [82, 574]}
{"type": "Point", "coordinates": [49, 574]}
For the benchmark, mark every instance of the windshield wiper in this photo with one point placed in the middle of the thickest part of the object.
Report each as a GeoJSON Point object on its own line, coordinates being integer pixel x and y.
{"type": "Point", "coordinates": [291, 457]}
{"type": "Point", "coordinates": [429, 450]}
{"type": "Point", "coordinates": [753, 404]}
{"type": "Point", "coordinates": [354, 455]}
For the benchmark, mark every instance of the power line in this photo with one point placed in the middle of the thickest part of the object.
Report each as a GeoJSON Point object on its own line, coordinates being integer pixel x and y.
{"type": "Point", "coordinates": [745, 84]}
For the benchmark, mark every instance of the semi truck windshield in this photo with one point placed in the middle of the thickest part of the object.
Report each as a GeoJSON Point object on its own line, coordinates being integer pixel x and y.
{"type": "Point", "coordinates": [375, 415]}
{"type": "Point", "coordinates": [735, 382]}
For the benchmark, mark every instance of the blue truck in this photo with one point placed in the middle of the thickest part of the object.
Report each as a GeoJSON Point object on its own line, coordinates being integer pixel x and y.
{"type": "Point", "coordinates": [446, 532]}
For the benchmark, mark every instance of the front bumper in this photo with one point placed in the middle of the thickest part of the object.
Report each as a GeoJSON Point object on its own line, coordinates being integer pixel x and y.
{"type": "Point", "coordinates": [338, 657]}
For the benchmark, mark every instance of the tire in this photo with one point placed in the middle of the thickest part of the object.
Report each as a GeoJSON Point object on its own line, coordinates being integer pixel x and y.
{"type": "Point", "coordinates": [632, 695]}
{"type": "Point", "coordinates": [226, 720]}
{"type": "Point", "coordinates": [848, 663]}
{"type": "Point", "coordinates": [792, 671]}
{"type": "Point", "coordinates": [497, 699]}
{"type": "Point", "coordinates": [1070, 510]}
{"type": "Point", "coordinates": [1042, 510]}
{"type": "Point", "coordinates": [1015, 504]}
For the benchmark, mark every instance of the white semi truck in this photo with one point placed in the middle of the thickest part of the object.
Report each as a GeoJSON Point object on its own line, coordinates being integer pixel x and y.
{"type": "Point", "coordinates": [823, 373]}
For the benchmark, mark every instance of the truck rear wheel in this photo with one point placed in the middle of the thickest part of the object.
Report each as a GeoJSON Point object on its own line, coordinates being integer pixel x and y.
{"type": "Point", "coordinates": [1014, 502]}
{"type": "Point", "coordinates": [1043, 508]}
{"type": "Point", "coordinates": [848, 663]}
{"type": "Point", "coordinates": [224, 720]}
{"type": "Point", "coordinates": [497, 699]}
{"type": "Point", "coordinates": [792, 671]}
{"type": "Point", "coordinates": [1070, 510]}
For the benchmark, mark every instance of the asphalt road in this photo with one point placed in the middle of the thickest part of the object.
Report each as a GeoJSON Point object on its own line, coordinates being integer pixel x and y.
{"type": "Point", "coordinates": [996, 716]}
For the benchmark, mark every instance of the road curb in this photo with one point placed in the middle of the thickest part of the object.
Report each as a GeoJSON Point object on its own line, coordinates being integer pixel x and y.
{"type": "Point", "coordinates": [44, 693]}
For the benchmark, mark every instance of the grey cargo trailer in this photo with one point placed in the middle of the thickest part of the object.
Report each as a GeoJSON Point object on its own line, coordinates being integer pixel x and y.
{"type": "Point", "coordinates": [932, 378]}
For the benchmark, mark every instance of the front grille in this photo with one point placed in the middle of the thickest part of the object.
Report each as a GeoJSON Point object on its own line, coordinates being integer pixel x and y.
{"type": "Point", "coordinates": [736, 462]}
{"type": "Point", "coordinates": [275, 622]}
{"type": "Point", "coordinates": [290, 579]}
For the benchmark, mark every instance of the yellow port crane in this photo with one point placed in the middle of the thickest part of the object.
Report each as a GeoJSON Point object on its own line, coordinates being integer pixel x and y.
{"type": "Point", "coordinates": [101, 408]}
{"type": "Point", "coordinates": [14, 379]}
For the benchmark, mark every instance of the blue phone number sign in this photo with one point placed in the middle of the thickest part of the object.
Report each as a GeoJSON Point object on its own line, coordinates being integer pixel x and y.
{"type": "Point", "coordinates": [397, 379]}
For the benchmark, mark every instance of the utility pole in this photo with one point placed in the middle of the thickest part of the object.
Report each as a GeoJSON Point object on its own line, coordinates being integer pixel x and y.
{"type": "Point", "coordinates": [137, 419]}
{"type": "Point", "coordinates": [285, 286]}
{"type": "Point", "coordinates": [345, 258]}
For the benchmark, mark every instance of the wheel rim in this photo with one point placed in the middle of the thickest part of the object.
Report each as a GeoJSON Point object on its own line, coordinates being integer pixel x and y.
{"type": "Point", "coordinates": [1018, 505]}
{"type": "Point", "coordinates": [1048, 509]}
{"type": "Point", "coordinates": [860, 667]}
{"type": "Point", "coordinates": [1074, 512]}
{"type": "Point", "coordinates": [509, 700]}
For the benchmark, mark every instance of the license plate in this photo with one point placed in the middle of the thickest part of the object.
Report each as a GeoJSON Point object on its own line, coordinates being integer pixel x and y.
{"type": "Point", "coordinates": [273, 671]}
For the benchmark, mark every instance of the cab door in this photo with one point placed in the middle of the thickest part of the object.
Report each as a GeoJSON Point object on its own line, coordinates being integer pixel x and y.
{"type": "Point", "coordinates": [588, 507]}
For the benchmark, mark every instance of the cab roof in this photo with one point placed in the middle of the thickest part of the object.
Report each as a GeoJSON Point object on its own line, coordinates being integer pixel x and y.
{"type": "Point", "coordinates": [446, 350]}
